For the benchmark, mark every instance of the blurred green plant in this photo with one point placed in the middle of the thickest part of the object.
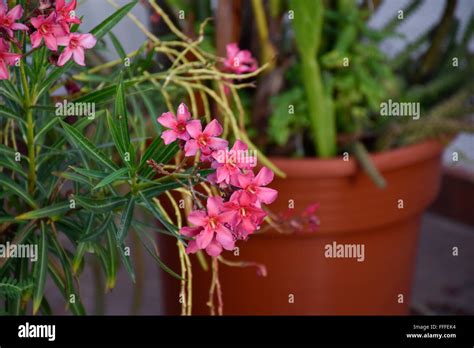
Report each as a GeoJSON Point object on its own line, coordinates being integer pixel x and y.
{"type": "Point", "coordinates": [84, 187]}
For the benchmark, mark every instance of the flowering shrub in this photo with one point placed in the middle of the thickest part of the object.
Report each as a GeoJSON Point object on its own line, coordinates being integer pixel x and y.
{"type": "Point", "coordinates": [219, 224]}
{"type": "Point", "coordinates": [51, 26]}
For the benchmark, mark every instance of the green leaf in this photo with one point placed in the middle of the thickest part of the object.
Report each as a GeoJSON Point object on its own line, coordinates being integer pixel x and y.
{"type": "Point", "coordinates": [74, 177]}
{"type": "Point", "coordinates": [96, 233]}
{"type": "Point", "coordinates": [104, 27]}
{"type": "Point", "coordinates": [121, 119]}
{"type": "Point", "coordinates": [40, 269]}
{"type": "Point", "coordinates": [78, 257]}
{"type": "Point", "coordinates": [118, 46]}
{"type": "Point", "coordinates": [66, 287]}
{"type": "Point", "coordinates": [111, 259]}
{"type": "Point", "coordinates": [53, 76]}
{"type": "Point", "coordinates": [127, 262]}
{"type": "Point", "coordinates": [14, 288]}
{"type": "Point", "coordinates": [12, 165]}
{"type": "Point", "coordinates": [158, 215]}
{"type": "Point", "coordinates": [84, 144]}
{"type": "Point", "coordinates": [82, 247]}
{"type": "Point", "coordinates": [115, 132]}
{"type": "Point", "coordinates": [51, 212]}
{"type": "Point", "coordinates": [89, 173]}
{"type": "Point", "coordinates": [101, 205]}
{"type": "Point", "coordinates": [153, 254]}
{"type": "Point", "coordinates": [10, 114]}
{"type": "Point", "coordinates": [121, 116]}
{"type": "Point", "coordinates": [15, 188]}
{"type": "Point", "coordinates": [111, 178]}
{"type": "Point", "coordinates": [125, 221]}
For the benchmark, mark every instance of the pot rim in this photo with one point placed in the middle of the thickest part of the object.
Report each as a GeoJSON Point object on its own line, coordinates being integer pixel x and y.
{"type": "Point", "coordinates": [336, 167]}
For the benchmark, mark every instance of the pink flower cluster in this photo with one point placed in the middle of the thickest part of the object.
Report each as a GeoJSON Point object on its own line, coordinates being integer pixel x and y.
{"type": "Point", "coordinates": [238, 62]}
{"type": "Point", "coordinates": [49, 25]}
{"type": "Point", "coordinates": [223, 221]}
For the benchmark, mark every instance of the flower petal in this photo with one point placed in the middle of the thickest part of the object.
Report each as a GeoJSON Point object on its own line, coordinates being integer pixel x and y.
{"type": "Point", "coordinates": [4, 75]}
{"type": "Point", "coordinates": [65, 56]}
{"type": "Point", "coordinates": [214, 205]}
{"type": "Point", "coordinates": [194, 128]}
{"type": "Point", "coordinates": [266, 195]}
{"type": "Point", "coordinates": [204, 238]}
{"type": "Point", "coordinates": [190, 231]}
{"type": "Point", "coordinates": [213, 129]}
{"type": "Point", "coordinates": [232, 49]}
{"type": "Point", "coordinates": [167, 120]}
{"type": "Point", "coordinates": [225, 238]}
{"type": "Point", "coordinates": [15, 13]}
{"type": "Point", "coordinates": [19, 26]}
{"type": "Point", "coordinates": [183, 113]}
{"type": "Point", "coordinates": [11, 58]}
{"type": "Point", "coordinates": [51, 42]}
{"type": "Point", "coordinates": [168, 136]}
{"type": "Point", "coordinates": [78, 56]}
{"type": "Point", "coordinates": [191, 148]}
{"type": "Point", "coordinates": [37, 21]}
{"type": "Point", "coordinates": [217, 143]}
{"type": "Point", "coordinates": [36, 39]}
{"type": "Point", "coordinates": [192, 247]}
{"type": "Point", "coordinates": [264, 177]}
{"type": "Point", "coordinates": [87, 40]}
{"type": "Point", "coordinates": [197, 218]}
{"type": "Point", "coordinates": [214, 248]}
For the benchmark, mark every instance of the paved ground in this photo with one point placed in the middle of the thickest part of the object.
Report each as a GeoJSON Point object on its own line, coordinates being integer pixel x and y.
{"type": "Point", "coordinates": [444, 284]}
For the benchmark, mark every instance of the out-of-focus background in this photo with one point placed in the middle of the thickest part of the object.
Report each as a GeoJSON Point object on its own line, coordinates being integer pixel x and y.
{"type": "Point", "coordinates": [442, 285]}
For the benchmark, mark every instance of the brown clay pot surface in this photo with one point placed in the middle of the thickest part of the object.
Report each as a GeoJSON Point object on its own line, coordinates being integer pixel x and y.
{"type": "Point", "coordinates": [301, 280]}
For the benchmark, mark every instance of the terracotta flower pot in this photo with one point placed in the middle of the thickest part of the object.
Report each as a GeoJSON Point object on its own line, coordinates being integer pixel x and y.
{"type": "Point", "coordinates": [301, 278]}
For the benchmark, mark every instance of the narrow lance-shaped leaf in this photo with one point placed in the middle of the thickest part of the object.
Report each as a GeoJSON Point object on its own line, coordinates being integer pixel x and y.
{"type": "Point", "coordinates": [100, 205]}
{"type": "Point", "coordinates": [17, 190]}
{"type": "Point", "coordinates": [170, 227]}
{"type": "Point", "coordinates": [111, 178]}
{"type": "Point", "coordinates": [84, 144]}
{"type": "Point", "coordinates": [69, 289]}
{"type": "Point", "coordinates": [40, 268]}
{"type": "Point", "coordinates": [111, 259]}
{"type": "Point", "coordinates": [51, 211]}
{"type": "Point", "coordinates": [125, 221]}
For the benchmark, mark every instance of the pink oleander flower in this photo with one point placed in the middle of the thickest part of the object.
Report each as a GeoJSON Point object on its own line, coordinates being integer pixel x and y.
{"type": "Point", "coordinates": [246, 216]}
{"type": "Point", "coordinates": [213, 235]}
{"type": "Point", "coordinates": [6, 59]}
{"type": "Point", "coordinates": [176, 124]}
{"type": "Point", "coordinates": [48, 29]}
{"type": "Point", "coordinates": [239, 61]}
{"type": "Point", "coordinates": [8, 18]}
{"type": "Point", "coordinates": [206, 141]}
{"type": "Point", "coordinates": [66, 13]}
{"type": "Point", "coordinates": [228, 163]}
{"type": "Point", "coordinates": [253, 186]}
{"type": "Point", "coordinates": [75, 45]}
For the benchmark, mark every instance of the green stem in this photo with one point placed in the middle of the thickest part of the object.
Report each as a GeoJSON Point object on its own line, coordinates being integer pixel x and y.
{"type": "Point", "coordinates": [30, 131]}
{"type": "Point", "coordinates": [366, 163]}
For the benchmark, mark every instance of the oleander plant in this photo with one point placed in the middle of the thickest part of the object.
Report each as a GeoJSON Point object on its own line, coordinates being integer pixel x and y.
{"type": "Point", "coordinates": [92, 151]}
